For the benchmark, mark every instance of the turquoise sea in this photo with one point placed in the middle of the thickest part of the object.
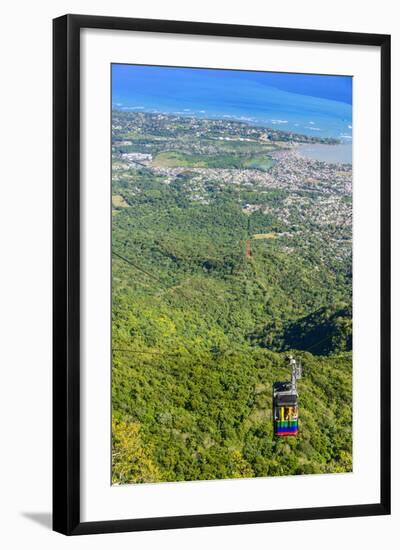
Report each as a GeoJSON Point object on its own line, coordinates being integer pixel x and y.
{"type": "Point", "coordinates": [315, 105]}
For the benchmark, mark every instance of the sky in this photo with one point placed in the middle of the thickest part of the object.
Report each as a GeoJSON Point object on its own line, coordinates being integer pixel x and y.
{"type": "Point", "coordinates": [319, 105]}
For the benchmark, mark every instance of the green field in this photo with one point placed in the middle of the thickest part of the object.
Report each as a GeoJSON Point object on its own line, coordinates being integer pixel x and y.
{"type": "Point", "coordinates": [173, 159]}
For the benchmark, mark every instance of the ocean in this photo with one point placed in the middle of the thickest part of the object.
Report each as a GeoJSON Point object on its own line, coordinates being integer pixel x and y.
{"type": "Point", "coordinates": [275, 100]}
{"type": "Point", "coordinates": [341, 153]}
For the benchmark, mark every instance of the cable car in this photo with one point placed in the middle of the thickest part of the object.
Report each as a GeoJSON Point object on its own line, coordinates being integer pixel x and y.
{"type": "Point", "coordinates": [285, 403]}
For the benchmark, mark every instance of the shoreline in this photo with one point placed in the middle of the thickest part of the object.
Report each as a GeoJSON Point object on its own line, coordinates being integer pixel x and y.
{"type": "Point", "coordinates": [239, 121]}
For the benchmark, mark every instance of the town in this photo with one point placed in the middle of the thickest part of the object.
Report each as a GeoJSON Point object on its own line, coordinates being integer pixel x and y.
{"type": "Point", "coordinates": [304, 201]}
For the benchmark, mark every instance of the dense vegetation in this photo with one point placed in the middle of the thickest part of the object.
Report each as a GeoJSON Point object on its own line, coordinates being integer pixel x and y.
{"type": "Point", "coordinates": [200, 328]}
{"type": "Point", "coordinates": [325, 331]}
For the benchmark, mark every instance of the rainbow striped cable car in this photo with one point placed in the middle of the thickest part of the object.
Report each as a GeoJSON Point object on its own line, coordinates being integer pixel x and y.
{"type": "Point", "coordinates": [285, 403]}
{"type": "Point", "coordinates": [286, 414]}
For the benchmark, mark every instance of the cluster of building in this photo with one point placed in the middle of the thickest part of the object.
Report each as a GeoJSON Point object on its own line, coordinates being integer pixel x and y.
{"type": "Point", "coordinates": [134, 158]}
{"type": "Point", "coordinates": [294, 172]}
{"type": "Point", "coordinates": [322, 211]}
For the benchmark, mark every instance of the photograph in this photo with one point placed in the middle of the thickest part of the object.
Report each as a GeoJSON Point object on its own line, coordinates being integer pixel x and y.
{"type": "Point", "coordinates": [231, 214]}
{"type": "Point", "coordinates": [198, 279]}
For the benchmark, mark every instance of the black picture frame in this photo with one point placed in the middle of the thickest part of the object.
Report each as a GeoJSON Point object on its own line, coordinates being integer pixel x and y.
{"type": "Point", "coordinates": [66, 273]}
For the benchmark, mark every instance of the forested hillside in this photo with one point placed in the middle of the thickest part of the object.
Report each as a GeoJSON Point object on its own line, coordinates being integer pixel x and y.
{"type": "Point", "coordinates": [226, 254]}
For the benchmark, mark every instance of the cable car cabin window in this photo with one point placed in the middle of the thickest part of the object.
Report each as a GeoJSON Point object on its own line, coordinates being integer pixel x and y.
{"type": "Point", "coordinates": [286, 413]}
